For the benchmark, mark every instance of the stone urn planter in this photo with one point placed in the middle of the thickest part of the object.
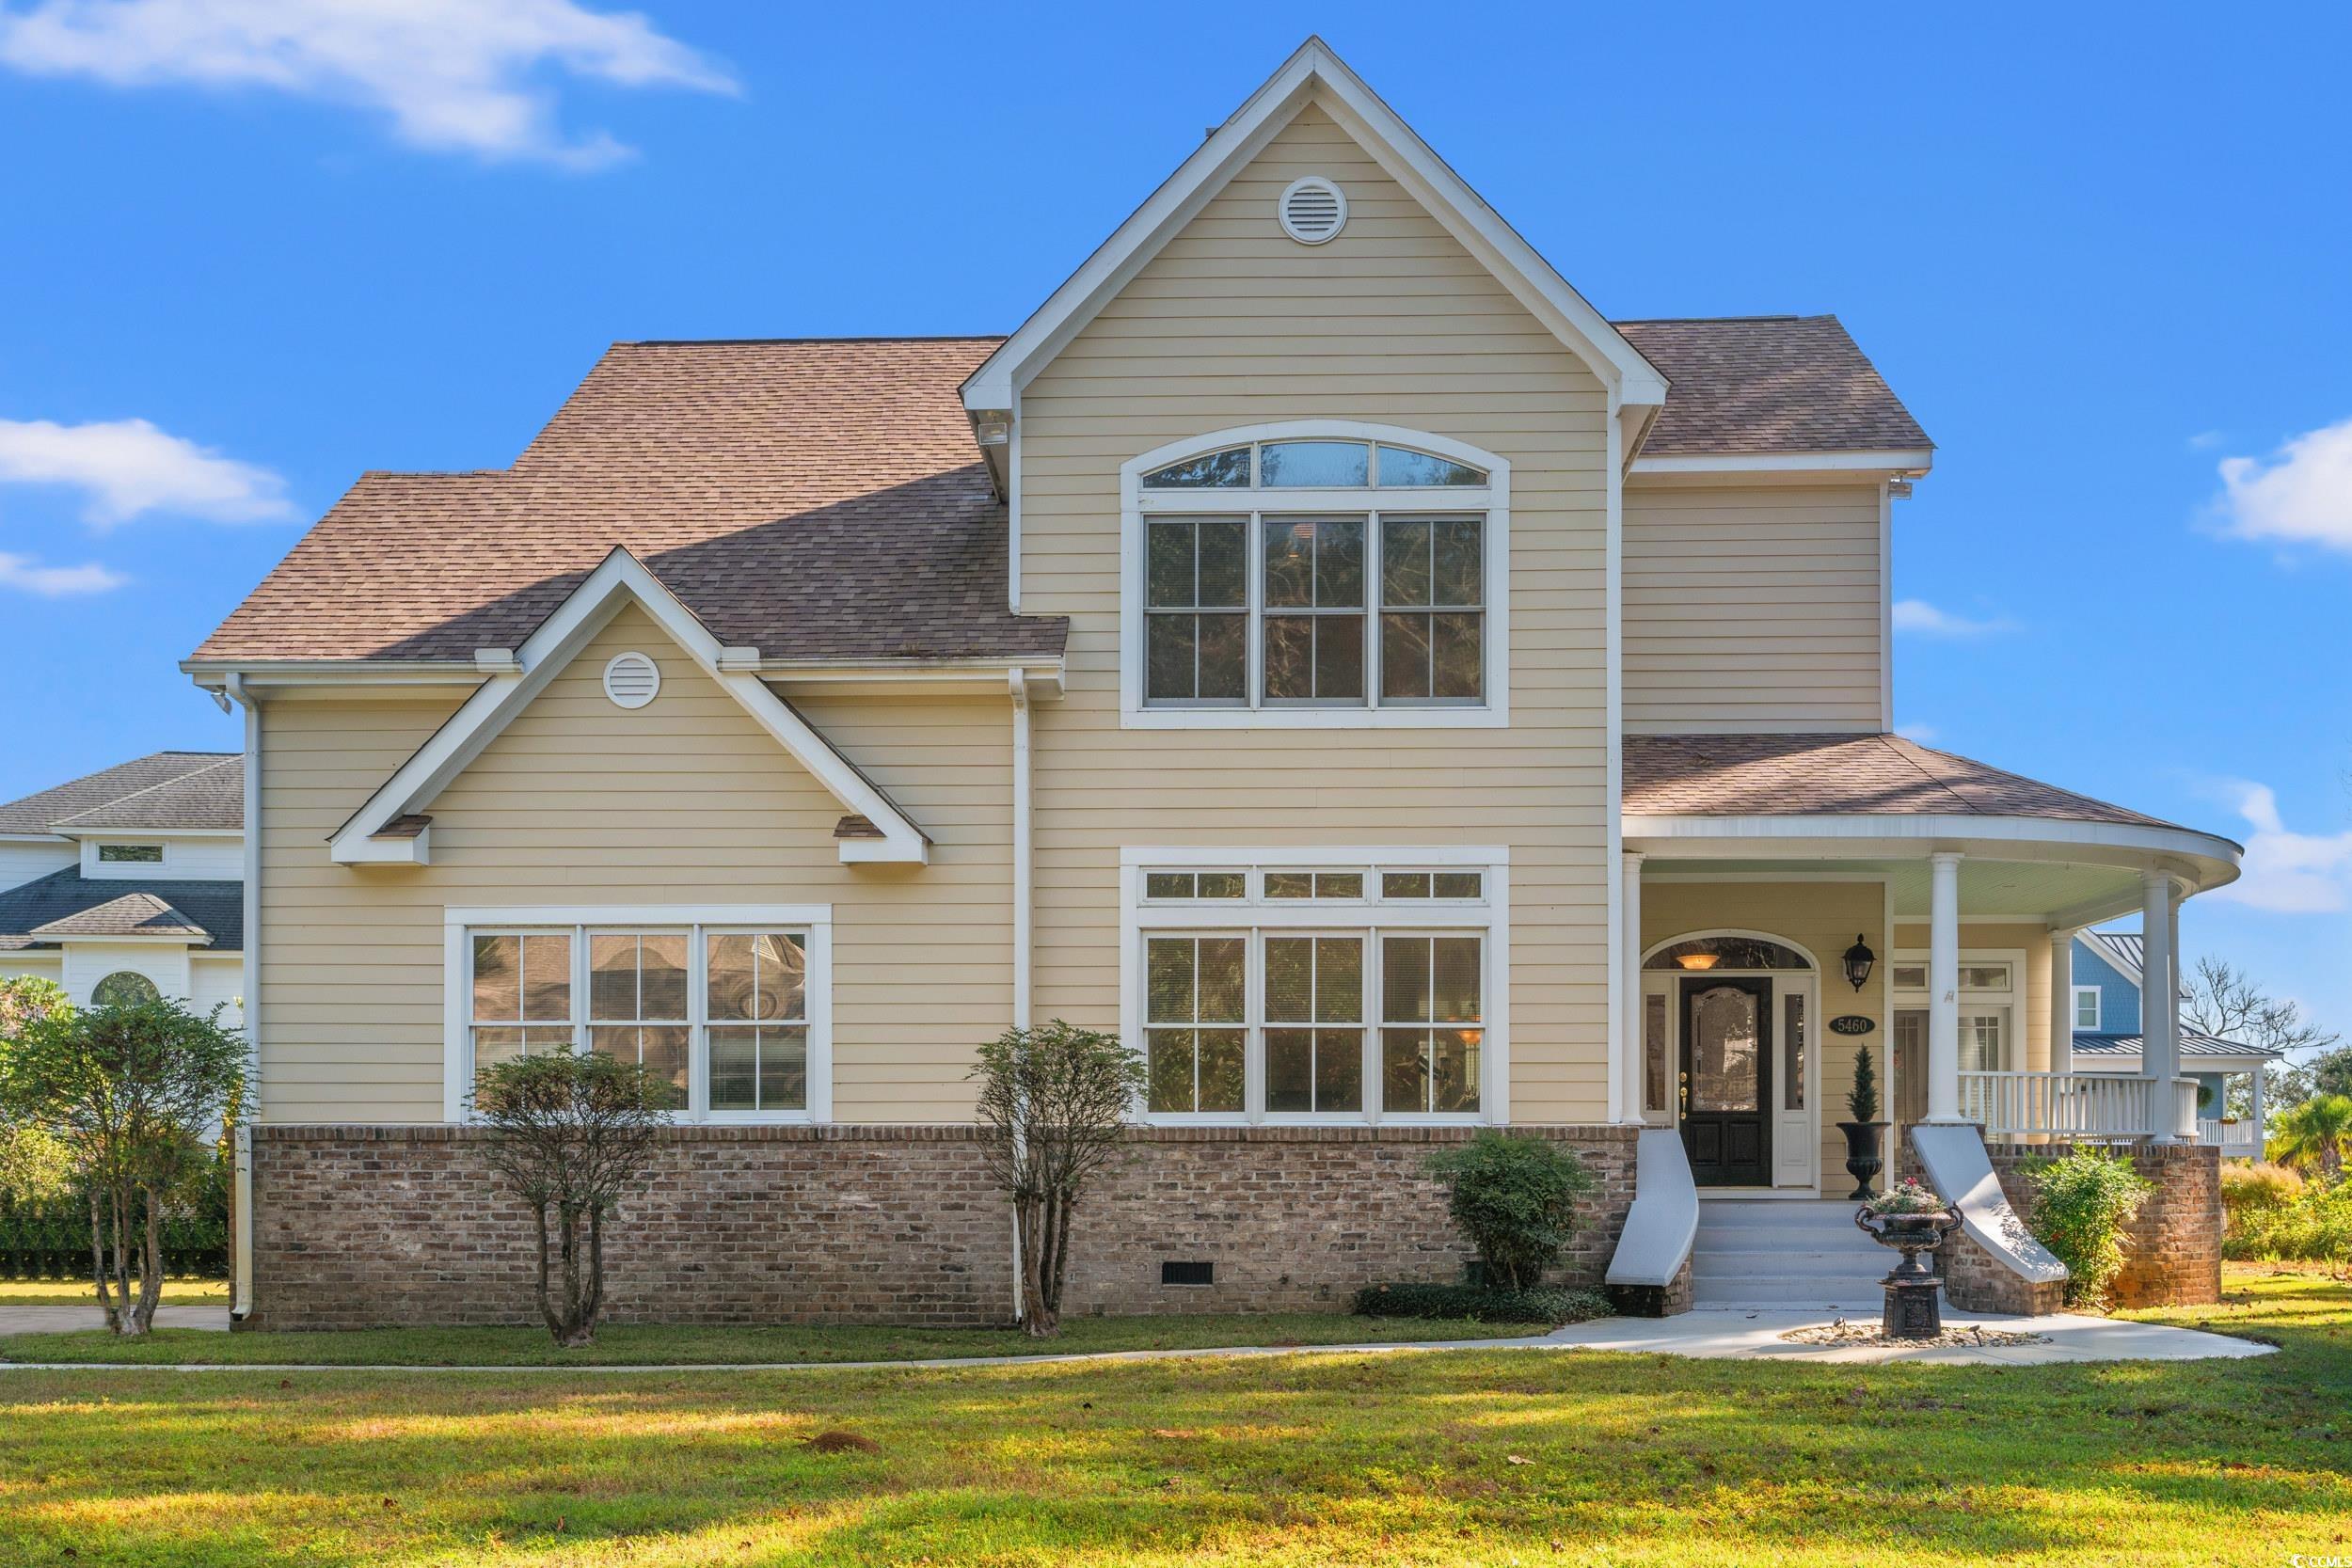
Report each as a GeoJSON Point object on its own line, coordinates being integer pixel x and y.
{"type": "Point", "coordinates": [1914, 1306]}
{"type": "Point", "coordinates": [1862, 1157]}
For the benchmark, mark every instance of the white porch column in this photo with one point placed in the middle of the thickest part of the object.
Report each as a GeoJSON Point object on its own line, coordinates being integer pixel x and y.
{"type": "Point", "coordinates": [1629, 1063]}
{"type": "Point", "coordinates": [2159, 1002]}
{"type": "Point", "coordinates": [2062, 1001]}
{"type": "Point", "coordinates": [2262, 1129]}
{"type": "Point", "coordinates": [1944, 986]}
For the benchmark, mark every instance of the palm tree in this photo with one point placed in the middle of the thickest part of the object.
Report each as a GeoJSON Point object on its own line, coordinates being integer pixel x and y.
{"type": "Point", "coordinates": [2315, 1134]}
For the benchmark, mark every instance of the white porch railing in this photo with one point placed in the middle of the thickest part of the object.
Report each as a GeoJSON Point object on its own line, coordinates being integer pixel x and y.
{"type": "Point", "coordinates": [2067, 1104]}
{"type": "Point", "coordinates": [2235, 1137]}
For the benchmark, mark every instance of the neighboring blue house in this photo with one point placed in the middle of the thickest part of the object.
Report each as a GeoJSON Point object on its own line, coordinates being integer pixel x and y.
{"type": "Point", "coordinates": [2108, 1039]}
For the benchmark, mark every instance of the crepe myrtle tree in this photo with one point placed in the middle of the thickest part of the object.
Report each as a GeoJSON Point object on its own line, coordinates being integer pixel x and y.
{"type": "Point", "coordinates": [572, 1135]}
{"type": "Point", "coordinates": [33, 1163]}
{"type": "Point", "coordinates": [129, 1092]}
{"type": "Point", "coordinates": [1053, 1107]}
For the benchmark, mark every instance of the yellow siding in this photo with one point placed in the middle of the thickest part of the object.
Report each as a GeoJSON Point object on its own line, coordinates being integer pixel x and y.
{"type": "Point", "coordinates": [683, 801]}
{"type": "Point", "coordinates": [1822, 918]}
{"type": "Point", "coordinates": [1393, 322]}
{"type": "Point", "coordinates": [2034, 1028]}
{"type": "Point", "coordinates": [1752, 607]}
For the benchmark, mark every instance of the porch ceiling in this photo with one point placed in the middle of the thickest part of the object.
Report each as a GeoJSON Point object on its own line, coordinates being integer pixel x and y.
{"type": "Point", "coordinates": [2052, 892]}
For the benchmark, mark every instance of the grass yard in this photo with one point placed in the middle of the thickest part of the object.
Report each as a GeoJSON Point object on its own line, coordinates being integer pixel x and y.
{"type": "Point", "coordinates": [1465, 1457]}
{"type": "Point", "coordinates": [67, 1292]}
{"type": "Point", "coordinates": [667, 1345]}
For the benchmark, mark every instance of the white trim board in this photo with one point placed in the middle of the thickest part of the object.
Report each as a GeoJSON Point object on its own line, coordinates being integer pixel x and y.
{"type": "Point", "coordinates": [1314, 72]}
{"type": "Point", "coordinates": [620, 581]}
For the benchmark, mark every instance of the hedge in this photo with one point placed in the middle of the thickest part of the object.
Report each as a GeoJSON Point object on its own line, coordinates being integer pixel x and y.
{"type": "Point", "coordinates": [1550, 1304]}
{"type": "Point", "coordinates": [48, 1238]}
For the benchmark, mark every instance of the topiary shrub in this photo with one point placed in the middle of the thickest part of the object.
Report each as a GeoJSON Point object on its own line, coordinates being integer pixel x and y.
{"type": "Point", "coordinates": [1550, 1304]}
{"type": "Point", "coordinates": [2081, 1204]}
{"type": "Point", "coordinates": [1515, 1198]}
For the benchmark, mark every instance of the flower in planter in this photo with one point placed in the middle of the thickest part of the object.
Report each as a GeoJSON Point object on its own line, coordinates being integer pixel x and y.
{"type": "Point", "coordinates": [1907, 1197]}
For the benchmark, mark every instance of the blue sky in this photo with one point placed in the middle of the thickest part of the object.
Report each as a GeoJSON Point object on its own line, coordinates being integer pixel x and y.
{"type": "Point", "coordinates": [2100, 255]}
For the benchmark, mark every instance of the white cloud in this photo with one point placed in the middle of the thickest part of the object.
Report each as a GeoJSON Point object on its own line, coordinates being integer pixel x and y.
{"type": "Point", "coordinates": [2286, 872]}
{"type": "Point", "coordinates": [1923, 619]}
{"type": "Point", "coordinates": [452, 75]}
{"type": "Point", "coordinates": [2205, 440]}
{"type": "Point", "coordinates": [128, 467]}
{"type": "Point", "coordinates": [2301, 494]}
{"type": "Point", "coordinates": [55, 582]}
{"type": "Point", "coordinates": [1922, 734]}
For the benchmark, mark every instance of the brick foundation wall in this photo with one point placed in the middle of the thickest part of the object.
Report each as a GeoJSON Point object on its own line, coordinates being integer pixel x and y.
{"type": "Point", "coordinates": [2171, 1250]}
{"type": "Point", "coordinates": [363, 1226]}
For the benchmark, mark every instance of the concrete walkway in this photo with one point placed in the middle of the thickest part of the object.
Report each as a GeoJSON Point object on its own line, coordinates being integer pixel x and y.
{"type": "Point", "coordinates": [1735, 1333]}
{"type": "Point", "coordinates": [1755, 1333]}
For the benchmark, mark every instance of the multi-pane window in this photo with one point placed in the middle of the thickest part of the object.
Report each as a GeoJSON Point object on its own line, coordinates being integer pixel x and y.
{"type": "Point", "coordinates": [2085, 1006]}
{"type": "Point", "coordinates": [1314, 884]}
{"type": "Point", "coordinates": [757, 986]}
{"type": "Point", "coordinates": [522, 995]}
{"type": "Point", "coordinates": [131, 854]}
{"type": "Point", "coordinates": [1196, 610]}
{"type": "Point", "coordinates": [637, 1008]}
{"type": "Point", "coordinates": [1195, 884]}
{"type": "Point", "coordinates": [1195, 1011]}
{"type": "Point", "coordinates": [719, 1017]}
{"type": "Point", "coordinates": [1430, 1022]}
{"type": "Point", "coordinates": [1315, 1023]}
{"type": "Point", "coordinates": [1433, 599]}
{"type": "Point", "coordinates": [1432, 884]}
{"type": "Point", "coordinates": [1313, 637]}
{"type": "Point", "coordinates": [1286, 605]}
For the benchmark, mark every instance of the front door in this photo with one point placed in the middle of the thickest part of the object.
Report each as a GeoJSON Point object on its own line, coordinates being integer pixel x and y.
{"type": "Point", "coordinates": [1726, 1080]}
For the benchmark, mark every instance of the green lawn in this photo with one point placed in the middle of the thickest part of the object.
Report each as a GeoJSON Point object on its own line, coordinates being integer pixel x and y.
{"type": "Point", "coordinates": [1463, 1457]}
{"type": "Point", "coordinates": [665, 1345]}
{"type": "Point", "coordinates": [67, 1292]}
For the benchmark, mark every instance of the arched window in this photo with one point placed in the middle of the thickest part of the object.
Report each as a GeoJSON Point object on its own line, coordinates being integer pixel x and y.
{"type": "Point", "coordinates": [1316, 571]}
{"type": "Point", "coordinates": [124, 988]}
{"type": "Point", "coordinates": [1728, 952]}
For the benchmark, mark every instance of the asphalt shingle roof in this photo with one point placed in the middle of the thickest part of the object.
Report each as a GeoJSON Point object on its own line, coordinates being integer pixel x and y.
{"type": "Point", "coordinates": [67, 904]}
{"type": "Point", "coordinates": [823, 500]}
{"type": "Point", "coordinates": [1769, 384]}
{"type": "Point", "coordinates": [162, 790]}
{"type": "Point", "coordinates": [1804, 775]}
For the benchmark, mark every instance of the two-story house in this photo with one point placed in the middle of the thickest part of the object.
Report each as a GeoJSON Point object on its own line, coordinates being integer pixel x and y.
{"type": "Point", "coordinates": [128, 883]}
{"type": "Point", "coordinates": [1317, 645]}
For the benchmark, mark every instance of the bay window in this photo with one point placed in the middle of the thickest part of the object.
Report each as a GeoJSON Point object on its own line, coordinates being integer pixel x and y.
{"type": "Point", "coordinates": [729, 1016]}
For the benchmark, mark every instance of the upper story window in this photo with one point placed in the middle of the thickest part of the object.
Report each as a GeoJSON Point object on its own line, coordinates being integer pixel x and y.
{"type": "Point", "coordinates": [1311, 578]}
{"type": "Point", "coordinates": [2087, 1008]}
{"type": "Point", "coordinates": [130, 854]}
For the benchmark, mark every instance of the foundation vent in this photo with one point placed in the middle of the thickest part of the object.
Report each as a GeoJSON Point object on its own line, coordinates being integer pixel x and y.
{"type": "Point", "coordinates": [1195, 1272]}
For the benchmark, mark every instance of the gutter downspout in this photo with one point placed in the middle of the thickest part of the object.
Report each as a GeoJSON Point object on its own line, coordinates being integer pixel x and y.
{"type": "Point", "coordinates": [241, 1256]}
{"type": "Point", "coordinates": [1018, 682]}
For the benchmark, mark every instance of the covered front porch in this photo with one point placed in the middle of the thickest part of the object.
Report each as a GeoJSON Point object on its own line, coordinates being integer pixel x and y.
{"type": "Point", "coordinates": [1789, 903]}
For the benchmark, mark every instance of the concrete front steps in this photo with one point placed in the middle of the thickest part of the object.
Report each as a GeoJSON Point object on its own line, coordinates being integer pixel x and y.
{"type": "Point", "coordinates": [1785, 1253]}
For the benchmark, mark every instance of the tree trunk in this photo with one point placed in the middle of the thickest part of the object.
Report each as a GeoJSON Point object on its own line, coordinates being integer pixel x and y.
{"type": "Point", "coordinates": [150, 1265]}
{"type": "Point", "coordinates": [98, 1259]}
{"type": "Point", "coordinates": [1041, 1318]}
{"type": "Point", "coordinates": [547, 1303]}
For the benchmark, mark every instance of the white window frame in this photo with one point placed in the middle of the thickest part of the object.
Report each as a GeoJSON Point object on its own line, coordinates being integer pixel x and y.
{"type": "Point", "coordinates": [2009, 1002]}
{"type": "Point", "coordinates": [1257, 916]}
{"type": "Point", "coordinates": [1491, 501]}
{"type": "Point", "coordinates": [700, 922]}
{"type": "Point", "coordinates": [2098, 1009]}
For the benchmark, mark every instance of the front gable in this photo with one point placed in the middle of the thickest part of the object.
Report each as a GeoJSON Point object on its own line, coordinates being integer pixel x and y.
{"type": "Point", "coordinates": [609, 695]}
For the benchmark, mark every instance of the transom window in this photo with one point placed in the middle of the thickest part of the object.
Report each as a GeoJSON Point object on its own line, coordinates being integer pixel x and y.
{"type": "Point", "coordinates": [1315, 578]}
{"type": "Point", "coordinates": [131, 854]}
{"type": "Point", "coordinates": [1354, 885]}
{"type": "Point", "coordinates": [1744, 953]}
{"type": "Point", "coordinates": [1322, 465]}
{"type": "Point", "coordinates": [726, 1018]}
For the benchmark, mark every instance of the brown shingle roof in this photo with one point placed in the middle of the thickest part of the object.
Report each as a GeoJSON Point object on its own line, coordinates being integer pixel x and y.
{"type": "Point", "coordinates": [145, 790]}
{"type": "Point", "coordinates": [134, 914]}
{"type": "Point", "coordinates": [1808, 775]}
{"type": "Point", "coordinates": [1769, 384]}
{"type": "Point", "coordinates": [813, 499]}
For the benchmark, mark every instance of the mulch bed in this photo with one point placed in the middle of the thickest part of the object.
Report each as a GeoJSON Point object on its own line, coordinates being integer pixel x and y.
{"type": "Point", "coordinates": [1843, 1333]}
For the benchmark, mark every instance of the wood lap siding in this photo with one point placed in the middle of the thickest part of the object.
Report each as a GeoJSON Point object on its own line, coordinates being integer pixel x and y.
{"type": "Point", "coordinates": [1752, 607]}
{"type": "Point", "coordinates": [1392, 321]}
{"type": "Point", "coordinates": [683, 801]}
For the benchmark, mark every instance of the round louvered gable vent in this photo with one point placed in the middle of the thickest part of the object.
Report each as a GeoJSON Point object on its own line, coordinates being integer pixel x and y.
{"type": "Point", "coordinates": [632, 680]}
{"type": "Point", "coordinates": [1313, 210]}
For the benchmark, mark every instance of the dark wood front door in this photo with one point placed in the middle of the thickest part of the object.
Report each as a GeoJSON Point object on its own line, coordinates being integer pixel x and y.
{"type": "Point", "coordinates": [1726, 1080]}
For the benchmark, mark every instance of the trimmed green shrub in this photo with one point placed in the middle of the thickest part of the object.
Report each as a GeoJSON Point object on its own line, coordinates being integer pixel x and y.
{"type": "Point", "coordinates": [1550, 1304]}
{"type": "Point", "coordinates": [1515, 1199]}
{"type": "Point", "coordinates": [2081, 1205]}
